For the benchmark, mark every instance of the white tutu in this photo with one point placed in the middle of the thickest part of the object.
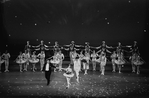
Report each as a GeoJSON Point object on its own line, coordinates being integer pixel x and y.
{"type": "Point", "coordinates": [34, 61]}
{"type": "Point", "coordinates": [20, 61]}
{"type": "Point", "coordinates": [138, 63]}
{"type": "Point", "coordinates": [98, 60]}
{"type": "Point", "coordinates": [2, 61]}
{"type": "Point", "coordinates": [69, 75]}
{"type": "Point", "coordinates": [85, 66]}
{"type": "Point", "coordinates": [119, 62]}
{"type": "Point", "coordinates": [55, 61]}
{"type": "Point", "coordinates": [42, 61]}
{"type": "Point", "coordinates": [102, 63]}
{"type": "Point", "coordinates": [94, 60]}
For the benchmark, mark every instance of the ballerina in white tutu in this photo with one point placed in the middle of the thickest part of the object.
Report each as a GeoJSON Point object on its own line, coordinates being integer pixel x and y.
{"type": "Point", "coordinates": [26, 56]}
{"type": "Point", "coordinates": [120, 61]}
{"type": "Point", "coordinates": [68, 74]}
{"type": "Point", "coordinates": [55, 60]}
{"type": "Point", "coordinates": [20, 60]}
{"type": "Point", "coordinates": [34, 60]}
{"type": "Point", "coordinates": [136, 61]}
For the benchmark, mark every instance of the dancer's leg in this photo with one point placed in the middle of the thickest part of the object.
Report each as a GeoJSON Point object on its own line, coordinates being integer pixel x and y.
{"type": "Point", "coordinates": [113, 66]}
{"type": "Point", "coordinates": [6, 66]}
{"type": "Point", "coordinates": [34, 67]}
{"type": "Point", "coordinates": [138, 69]}
{"type": "Point", "coordinates": [119, 67]}
{"type": "Point", "coordinates": [94, 65]}
{"type": "Point", "coordinates": [60, 66]}
{"type": "Point", "coordinates": [20, 67]}
{"type": "Point", "coordinates": [77, 76]}
{"type": "Point", "coordinates": [133, 67]}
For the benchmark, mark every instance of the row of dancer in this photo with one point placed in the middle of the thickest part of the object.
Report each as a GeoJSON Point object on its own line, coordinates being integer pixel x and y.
{"type": "Point", "coordinates": [72, 46]}
{"type": "Point", "coordinates": [24, 59]}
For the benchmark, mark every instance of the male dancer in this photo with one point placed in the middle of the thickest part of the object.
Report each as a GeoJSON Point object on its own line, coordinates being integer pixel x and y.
{"type": "Point", "coordinates": [48, 69]}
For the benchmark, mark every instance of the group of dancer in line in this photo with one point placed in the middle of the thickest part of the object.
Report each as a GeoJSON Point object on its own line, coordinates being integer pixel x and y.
{"type": "Point", "coordinates": [79, 55]}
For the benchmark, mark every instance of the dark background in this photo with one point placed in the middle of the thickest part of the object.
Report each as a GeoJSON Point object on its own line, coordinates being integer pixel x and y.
{"type": "Point", "coordinates": [78, 20]}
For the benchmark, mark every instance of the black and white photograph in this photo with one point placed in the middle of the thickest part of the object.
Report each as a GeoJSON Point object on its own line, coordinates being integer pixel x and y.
{"type": "Point", "coordinates": [74, 49]}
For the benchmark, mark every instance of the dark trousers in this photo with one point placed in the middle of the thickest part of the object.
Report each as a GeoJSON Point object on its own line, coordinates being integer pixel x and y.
{"type": "Point", "coordinates": [47, 76]}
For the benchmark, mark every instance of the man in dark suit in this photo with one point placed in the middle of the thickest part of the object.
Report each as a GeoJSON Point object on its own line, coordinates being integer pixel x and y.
{"type": "Point", "coordinates": [48, 69]}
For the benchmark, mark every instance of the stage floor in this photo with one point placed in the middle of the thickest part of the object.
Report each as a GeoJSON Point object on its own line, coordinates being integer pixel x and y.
{"type": "Point", "coordinates": [33, 84]}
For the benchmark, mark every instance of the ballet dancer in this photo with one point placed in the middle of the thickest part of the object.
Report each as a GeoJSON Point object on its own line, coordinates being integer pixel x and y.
{"type": "Point", "coordinates": [73, 55]}
{"type": "Point", "coordinates": [41, 55]}
{"type": "Point", "coordinates": [71, 48]}
{"type": "Point", "coordinates": [94, 56]}
{"type": "Point", "coordinates": [20, 61]}
{"type": "Point", "coordinates": [81, 56]}
{"type": "Point", "coordinates": [34, 60]}
{"type": "Point", "coordinates": [56, 47]}
{"type": "Point", "coordinates": [88, 47]}
{"type": "Point", "coordinates": [1, 61]}
{"type": "Point", "coordinates": [68, 74]}
{"type": "Point", "coordinates": [85, 62]}
{"type": "Point", "coordinates": [104, 47]}
{"type": "Point", "coordinates": [61, 58]}
{"type": "Point", "coordinates": [77, 67]}
{"type": "Point", "coordinates": [136, 61]}
{"type": "Point", "coordinates": [6, 57]}
{"type": "Point", "coordinates": [113, 57]}
{"type": "Point", "coordinates": [55, 60]}
{"type": "Point", "coordinates": [28, 47]}
{"type": "Point", "coordinates": [103, 61]}
{"type": "Point", "coordinates": [134, 48]}
{"type": "Point", "coordinates": [120, 61]}
{"type": "Point", "coordinates": [48, 70]}
{"type": "Point", "coordinates": [41, 46]}
{"type": "Point", "coordinates": [26, 56]}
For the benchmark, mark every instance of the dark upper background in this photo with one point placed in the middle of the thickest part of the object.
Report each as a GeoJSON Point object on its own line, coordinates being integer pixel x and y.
{"type": "Point", "coordinates": [78, 20]}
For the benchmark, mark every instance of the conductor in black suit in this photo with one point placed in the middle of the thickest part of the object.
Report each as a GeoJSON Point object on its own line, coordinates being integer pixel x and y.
{"type": "Point", "coordinates": [48, 69]}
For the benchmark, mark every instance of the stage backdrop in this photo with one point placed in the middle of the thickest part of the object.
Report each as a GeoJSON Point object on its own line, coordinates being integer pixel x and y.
{"type": "Point", "coordinates": [78, 20]}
